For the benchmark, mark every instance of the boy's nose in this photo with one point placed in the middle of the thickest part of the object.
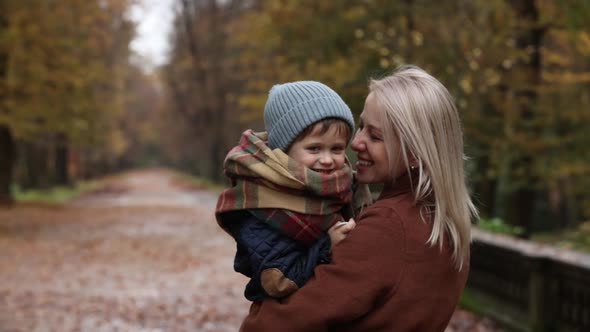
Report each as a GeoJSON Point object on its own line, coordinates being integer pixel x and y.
{"type": "Point", "coordinates": [326, 159]}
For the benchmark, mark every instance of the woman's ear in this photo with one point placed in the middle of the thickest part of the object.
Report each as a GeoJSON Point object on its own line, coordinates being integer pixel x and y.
{"type": "Point", "coordinates": [413, 162]}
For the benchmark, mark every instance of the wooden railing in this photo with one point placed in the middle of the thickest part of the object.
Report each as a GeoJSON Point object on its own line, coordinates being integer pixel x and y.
{"type": "Point", "coordinates": [529, 286]}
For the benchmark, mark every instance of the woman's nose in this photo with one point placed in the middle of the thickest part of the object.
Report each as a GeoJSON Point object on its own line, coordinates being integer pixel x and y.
{"type": "Point", "coordinates": [357, 144]}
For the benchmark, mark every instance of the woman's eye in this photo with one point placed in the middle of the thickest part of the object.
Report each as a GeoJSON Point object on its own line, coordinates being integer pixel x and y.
{"type": "Point", "coordinates": [376, 138]}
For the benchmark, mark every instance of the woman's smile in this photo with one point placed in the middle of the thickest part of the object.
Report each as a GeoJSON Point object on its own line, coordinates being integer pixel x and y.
{"type": "Point", "coordinates": [364, 163]}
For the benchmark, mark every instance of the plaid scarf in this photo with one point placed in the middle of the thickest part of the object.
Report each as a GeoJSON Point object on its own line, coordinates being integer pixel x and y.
{"type": "Point", "coordinates": [278, 190]}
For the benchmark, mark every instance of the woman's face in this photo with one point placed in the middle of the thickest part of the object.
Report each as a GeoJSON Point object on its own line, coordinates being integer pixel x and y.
{"type": "Point", "coordinates": [373, 165]}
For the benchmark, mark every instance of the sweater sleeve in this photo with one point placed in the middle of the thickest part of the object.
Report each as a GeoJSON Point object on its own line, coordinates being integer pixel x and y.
{"type": "Point", "coordinates": [276, 264]}
{"type": "Point", "coordinates": [346, 289]}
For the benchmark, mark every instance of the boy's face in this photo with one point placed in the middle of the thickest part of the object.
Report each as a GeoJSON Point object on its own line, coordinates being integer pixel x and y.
{"type": "Point", "coordinates": [324, 153]}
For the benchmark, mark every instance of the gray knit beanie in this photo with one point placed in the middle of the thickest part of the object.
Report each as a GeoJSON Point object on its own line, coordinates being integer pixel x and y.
{"type": "Point", "coordinates": [292, 107]}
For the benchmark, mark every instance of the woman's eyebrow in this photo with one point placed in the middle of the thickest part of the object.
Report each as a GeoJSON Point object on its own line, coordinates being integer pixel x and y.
{"type": "Point", "coordinates": [372, 127]}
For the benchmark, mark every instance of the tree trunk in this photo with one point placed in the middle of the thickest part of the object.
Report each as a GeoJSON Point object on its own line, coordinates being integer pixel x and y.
{"type": "Point", "coordinates": [37, 171]}
{"type": "Point", "coordinates": [570, 206]}
{"type": "Point", "coordinates": [410, 26]}
{"type": "Point", "coordinates": [7, 151]}
{"type": "Point", "coordinates": [61, 161]}
{"type": "Point", "coordinates": [7, 145]}
{"type": "Point", "coordinates": [486, 190]}
{"type": "Point", "coordinates": [528, 36]}
{"type": "Point", "coordinates": [211, 78]}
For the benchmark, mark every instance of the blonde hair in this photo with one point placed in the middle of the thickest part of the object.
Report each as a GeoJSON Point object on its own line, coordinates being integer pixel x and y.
{"type": "Point", "coordinates": [419, 112]}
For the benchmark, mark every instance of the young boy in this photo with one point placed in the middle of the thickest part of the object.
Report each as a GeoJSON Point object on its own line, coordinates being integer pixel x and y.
{"type": "Point", "coordinates": [289, 186]}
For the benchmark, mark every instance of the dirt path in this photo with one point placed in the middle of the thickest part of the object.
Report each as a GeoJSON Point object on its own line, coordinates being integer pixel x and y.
{"type": "Point", "coordinates": [142, 255]}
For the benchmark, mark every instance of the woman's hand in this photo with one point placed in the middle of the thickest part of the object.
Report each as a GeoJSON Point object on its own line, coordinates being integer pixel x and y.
{"type": "Point", "coordinates": [339, 231]}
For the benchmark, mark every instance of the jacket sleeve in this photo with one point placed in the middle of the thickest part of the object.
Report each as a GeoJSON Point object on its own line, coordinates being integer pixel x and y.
{"type": "Point", "coordinates": [344, 290]}
{"type": "Point", "coordinates": [276, 264]}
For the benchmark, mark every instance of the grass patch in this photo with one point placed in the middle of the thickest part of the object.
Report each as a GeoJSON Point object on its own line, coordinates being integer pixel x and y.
{"type": "Point", "coordinates": [507, 316]}
{"type": "Point", "coordinates": [577, 239]}
{"type": "Point", "coordinates": [469, 303]}
{"type": "Point", "coordinates": [574, 239]}
{"type": "Point", "coordinates": [53, 195]}
{"type": "Point", "coordinates": [497, 225]}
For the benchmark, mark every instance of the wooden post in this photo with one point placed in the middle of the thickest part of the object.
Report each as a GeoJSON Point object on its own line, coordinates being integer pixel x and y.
{"type": "Point", "coordinates": [541, 295]}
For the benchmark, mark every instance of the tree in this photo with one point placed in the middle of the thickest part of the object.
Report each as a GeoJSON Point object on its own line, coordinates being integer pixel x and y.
{"type": "Point", "coordinates": [7, 145]}
{"type": "Point", "coordinates": [200, 78]}
{"type": "Point", "coordinates": [517, 68]}
{"type": "Point", "coordinates": [62, 78]}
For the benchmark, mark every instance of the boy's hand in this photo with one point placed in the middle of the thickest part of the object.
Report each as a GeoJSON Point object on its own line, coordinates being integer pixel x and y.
{"type": "Point", "coordinates": [339, 231]}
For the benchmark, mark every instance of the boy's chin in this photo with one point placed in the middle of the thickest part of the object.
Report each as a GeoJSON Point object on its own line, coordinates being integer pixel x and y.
{"type": "Point", "coordinates": [326, 172]}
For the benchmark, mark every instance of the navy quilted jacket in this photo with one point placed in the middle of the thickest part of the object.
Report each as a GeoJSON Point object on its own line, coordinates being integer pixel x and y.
{"type": "Point", "coordinates": [261, 247]}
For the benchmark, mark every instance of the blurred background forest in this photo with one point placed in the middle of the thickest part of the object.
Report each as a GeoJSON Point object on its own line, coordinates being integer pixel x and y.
{"type": "Point", "coordinates": [77, 103]}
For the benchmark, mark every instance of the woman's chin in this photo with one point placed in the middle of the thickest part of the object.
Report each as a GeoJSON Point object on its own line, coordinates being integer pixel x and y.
{"type": "Point", "coordinates": [363, 177]}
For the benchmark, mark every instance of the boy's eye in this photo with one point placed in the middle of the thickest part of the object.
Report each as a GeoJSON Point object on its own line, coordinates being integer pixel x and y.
{"type": "Point", "coordinates": [313, 148]}
{"type": "Point", "coordinates": [338, 149]}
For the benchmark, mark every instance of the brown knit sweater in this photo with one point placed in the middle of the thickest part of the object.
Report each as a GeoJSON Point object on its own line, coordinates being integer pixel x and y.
{"type": "Point", "coordinates": [383, 278]}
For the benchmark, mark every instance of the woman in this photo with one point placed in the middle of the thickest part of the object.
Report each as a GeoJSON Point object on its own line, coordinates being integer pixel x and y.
{"type": "Point", "coordinates": [404, 266]}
